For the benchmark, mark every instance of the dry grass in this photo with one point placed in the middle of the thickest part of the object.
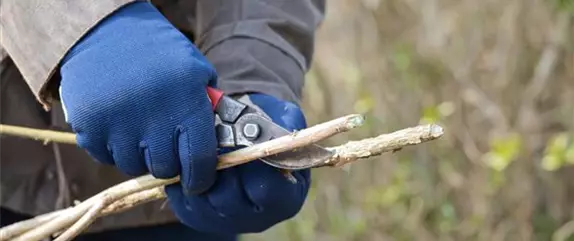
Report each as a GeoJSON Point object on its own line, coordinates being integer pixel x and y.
{"type": "Point", "coordinates": [498, 75]}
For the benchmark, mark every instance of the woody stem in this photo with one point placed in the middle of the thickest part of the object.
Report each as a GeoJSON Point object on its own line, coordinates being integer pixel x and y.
{"type": "Point", "coordinates": [146, 188]}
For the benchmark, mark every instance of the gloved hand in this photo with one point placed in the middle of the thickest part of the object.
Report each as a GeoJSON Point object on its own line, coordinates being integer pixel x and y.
{"type": "Point", "coordinates": [134, 91]}
{"type": "Point", "coordinates": [250, 197]}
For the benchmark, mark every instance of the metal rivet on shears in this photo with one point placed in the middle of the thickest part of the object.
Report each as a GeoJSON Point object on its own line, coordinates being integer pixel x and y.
{"type": "Point", "coordinates": [251, 130]}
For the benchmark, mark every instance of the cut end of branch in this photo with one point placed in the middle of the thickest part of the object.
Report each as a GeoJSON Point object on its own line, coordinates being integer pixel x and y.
{"type": "Point", "coordinates": [391, 142]}
{"type": "Point", "coordinates": [436, 131]}
{"type": "Point", "coordinates": [355, 121]}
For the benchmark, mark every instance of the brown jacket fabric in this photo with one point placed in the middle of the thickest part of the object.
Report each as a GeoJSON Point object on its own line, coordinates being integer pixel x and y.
{"type": "Point", "coordinates": [255, 45]}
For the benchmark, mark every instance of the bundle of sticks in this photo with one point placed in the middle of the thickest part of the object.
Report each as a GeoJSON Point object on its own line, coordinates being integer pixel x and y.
{"type": "Point", "coordinates": [67, 223]}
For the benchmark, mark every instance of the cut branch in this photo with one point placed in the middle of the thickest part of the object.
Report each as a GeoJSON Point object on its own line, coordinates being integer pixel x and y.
{"type": "Point", "coordinates": [355, 150]}
{"type": "Point", "coordinates": [42, 135]}
{"type": "Point", "coordinates": [147, 188]}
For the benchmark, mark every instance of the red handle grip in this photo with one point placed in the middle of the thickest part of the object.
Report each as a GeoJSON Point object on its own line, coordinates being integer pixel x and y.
{"type": "Point", "coordinates": [214, 96]}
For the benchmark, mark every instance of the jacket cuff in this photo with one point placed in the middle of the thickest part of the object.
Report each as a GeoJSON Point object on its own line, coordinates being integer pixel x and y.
{"type": "Point", "coordinates": [37, 53]}
{"type": "Point", "coordinates": [247, 65]}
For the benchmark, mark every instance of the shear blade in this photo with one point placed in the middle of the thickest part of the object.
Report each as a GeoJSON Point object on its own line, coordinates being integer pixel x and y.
{"type": "Point", "coordinates": [299, 158]}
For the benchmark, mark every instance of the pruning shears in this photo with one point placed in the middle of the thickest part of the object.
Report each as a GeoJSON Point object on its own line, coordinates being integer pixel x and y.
{"type": "Point", "coordinates": [243, 124]}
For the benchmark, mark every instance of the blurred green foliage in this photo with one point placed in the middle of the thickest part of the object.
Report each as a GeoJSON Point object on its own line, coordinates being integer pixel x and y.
{"type": "Point", "coordinates": [493, 74]}
{"type": "Point", "coordinates": [503, 151]}
{"type": "Point", "coordinates": [565, 5]}
{"type": "Point", "coordinates": [559, 152]}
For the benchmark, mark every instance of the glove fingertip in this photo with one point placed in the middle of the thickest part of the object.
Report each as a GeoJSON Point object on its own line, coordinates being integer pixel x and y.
{"type": "Point", "coordinates": [293, 117]}
{"type": "Point", "coordinates": [176, 199]}
{"type": "Point", "coordinates": [198, 157]}
{"type": "Point", "coordinates": [160, 162]}
{"type": "Point", "coordinates": [173, 191]}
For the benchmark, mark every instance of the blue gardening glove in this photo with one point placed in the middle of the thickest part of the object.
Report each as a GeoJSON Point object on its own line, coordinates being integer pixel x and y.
{"type": "Point", "coordinates": [134, 91]}
{"type": "Point", "coordinates": [250, 197]}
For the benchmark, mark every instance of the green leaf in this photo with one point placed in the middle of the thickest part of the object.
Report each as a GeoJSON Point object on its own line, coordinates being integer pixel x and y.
{"type": "Point", "coordinates": [551, 163]}
{"type": "Point", "coordinates": [557, 152]}
{"type": "Point", "coordinates": [496, 162]}
{"type": "Point", "coordinates": [364, 104]}
{"type": "Point", "coordinates": [558, 144]}
{"type": "Point", "coordinates": [503, 151]}
{"type": "Point", "coordinates": [431, 114]}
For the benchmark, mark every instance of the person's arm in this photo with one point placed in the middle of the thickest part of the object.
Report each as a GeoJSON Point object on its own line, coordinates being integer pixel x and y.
{"type": "Point", "coordinates": [36, 34]}
{"type": "Point", "coordinates": [260, 46]}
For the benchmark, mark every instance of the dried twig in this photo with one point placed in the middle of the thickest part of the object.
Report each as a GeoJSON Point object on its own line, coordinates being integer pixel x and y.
{"type": "Point", "coordinates": [355, 150]}
{"type": "Point", "coordinates": [302, 138]}
{"type": "Point", "coordinates": [42, 135]}
{"type": "Point", "coordinates": [146, 188]}
{"type": "Point", "coordinates": [84, 221]}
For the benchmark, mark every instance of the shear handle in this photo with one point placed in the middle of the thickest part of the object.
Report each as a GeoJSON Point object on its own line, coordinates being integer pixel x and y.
{"type": "Point", "coordinates": [215, 96]}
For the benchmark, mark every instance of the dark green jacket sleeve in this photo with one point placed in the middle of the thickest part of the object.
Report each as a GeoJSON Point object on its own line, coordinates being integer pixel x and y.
{"type": "Point", "coordinates": [36, 34]}
{"type": "Point", "coordinates": [259, 45]}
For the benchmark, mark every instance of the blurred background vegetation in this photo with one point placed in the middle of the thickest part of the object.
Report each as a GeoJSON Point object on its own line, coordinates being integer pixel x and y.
{"type": "Point", "coordinates": [498, 75]}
